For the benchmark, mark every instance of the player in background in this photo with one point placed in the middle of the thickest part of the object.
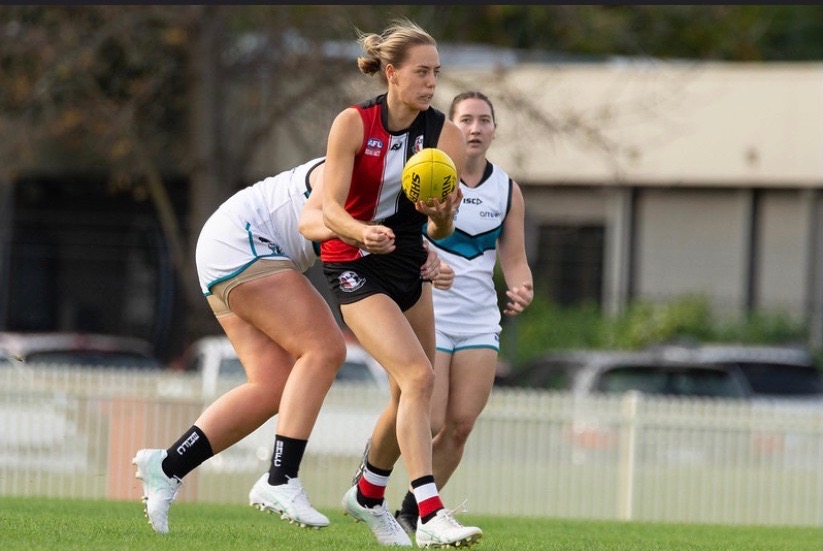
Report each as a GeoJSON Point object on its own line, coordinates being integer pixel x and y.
{"type": "Point", "coordinates": [251, 255]}
{"type": "Point", "coordinates": [381, 296]}
{"type": "Point", "coordinates": [489, 225]}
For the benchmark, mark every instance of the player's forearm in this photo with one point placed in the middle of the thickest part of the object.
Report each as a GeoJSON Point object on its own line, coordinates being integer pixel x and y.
{"type": "Point", "coordinates": [440, 229]}
{"type": "Point", "coordinates": [341, 223]}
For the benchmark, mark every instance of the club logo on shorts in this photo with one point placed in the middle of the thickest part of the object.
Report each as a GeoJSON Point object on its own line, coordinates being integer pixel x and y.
{"type": "Point", "coordinates": [350, 281]}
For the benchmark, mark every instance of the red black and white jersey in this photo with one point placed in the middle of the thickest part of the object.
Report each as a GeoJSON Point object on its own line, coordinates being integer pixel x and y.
{"type": "Point", "coordinates": [375, 194]}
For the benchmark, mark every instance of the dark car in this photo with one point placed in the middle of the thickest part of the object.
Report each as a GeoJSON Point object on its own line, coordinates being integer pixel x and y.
{"type": "Point", "coordinates": [76, 349]}
{"type": "Point", "coordinates": [770, 371]}
{"type": "Point", "coordinates": [650, 372]}
{"type": "Point", "coordinates": [763, 371]}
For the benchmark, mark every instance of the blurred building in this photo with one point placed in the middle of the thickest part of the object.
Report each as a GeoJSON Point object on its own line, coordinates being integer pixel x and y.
{"type": "Point", "coordinates": [652, 180]}
{"type": "Point", "coordinates": [642, 179]}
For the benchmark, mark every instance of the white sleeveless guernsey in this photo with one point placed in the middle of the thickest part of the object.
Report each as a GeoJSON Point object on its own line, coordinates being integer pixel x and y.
{"type": "Point", "coordinates": [259, 221]}
{"type": "Point", "coordinates": [470, 306]}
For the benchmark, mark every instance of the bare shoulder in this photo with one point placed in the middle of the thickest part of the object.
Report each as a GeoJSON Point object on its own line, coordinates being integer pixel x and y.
{"type": "Point", "coordinates": [347, 117]}
{"type": "Point", "coordinates": [347, 128]}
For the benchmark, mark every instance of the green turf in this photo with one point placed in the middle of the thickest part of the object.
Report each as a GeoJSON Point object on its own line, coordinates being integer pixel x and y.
{"type": "Point", "coordinates": [53, 524]}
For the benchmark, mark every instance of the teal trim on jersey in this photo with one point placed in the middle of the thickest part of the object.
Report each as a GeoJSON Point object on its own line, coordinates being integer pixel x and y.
{"type": "Point", "coordinates": [276, 251]}
{"type": "Point", "coordinates": [251, 241]}
{"type": "Point", "coordinates": [468, 246]}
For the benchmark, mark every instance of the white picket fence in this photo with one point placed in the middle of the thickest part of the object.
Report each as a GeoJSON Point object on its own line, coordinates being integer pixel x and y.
{"type": "Point", "coordinates": [73, 434]}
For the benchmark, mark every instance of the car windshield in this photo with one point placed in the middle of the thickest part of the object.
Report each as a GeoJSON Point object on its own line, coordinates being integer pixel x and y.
{"type": "Point", "coordinates": [679, 381]}
{"type": "Point", "coordinates": [94, 358]}
{"type": "Point", "coordinates": [775, 379]}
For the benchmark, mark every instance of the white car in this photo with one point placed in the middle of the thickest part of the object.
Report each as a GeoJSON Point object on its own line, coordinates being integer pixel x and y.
{"type": "Point", "coordinates": [216, 361]}
{"type": "Point", "coordinates": [42, 429]}
{"type": "Point", "coordinates": [342, 427]}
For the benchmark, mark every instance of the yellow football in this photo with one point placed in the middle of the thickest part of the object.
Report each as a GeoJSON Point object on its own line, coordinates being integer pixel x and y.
{"type": "Point", "coordinates": [429, 173]}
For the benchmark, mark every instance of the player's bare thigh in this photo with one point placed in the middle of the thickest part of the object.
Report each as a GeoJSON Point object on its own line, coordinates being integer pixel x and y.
{"type": "Point", "coordinates": [471, 379]}
{"type": "Point", "coordinates": [382, 329]}
{"type": "Point", "coordinates": [284, 305]}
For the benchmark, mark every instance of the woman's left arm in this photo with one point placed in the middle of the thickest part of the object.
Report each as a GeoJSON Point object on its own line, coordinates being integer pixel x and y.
{"type": "Point", "coordinates": [511, 251]}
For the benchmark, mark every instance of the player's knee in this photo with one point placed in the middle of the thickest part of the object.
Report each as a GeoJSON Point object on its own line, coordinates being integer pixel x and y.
{"type": "Point", "coordinates": [461, 428]}
{"type": "Point", "coordinates": [335, 351]}
{"type": "Point", "coordinates": [328, 353]}
{"type": "Point", "coordinates": [419, 381]}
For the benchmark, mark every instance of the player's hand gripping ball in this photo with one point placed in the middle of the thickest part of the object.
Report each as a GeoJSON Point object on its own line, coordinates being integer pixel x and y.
{"type": "Point", "coordinates": [429, 173]}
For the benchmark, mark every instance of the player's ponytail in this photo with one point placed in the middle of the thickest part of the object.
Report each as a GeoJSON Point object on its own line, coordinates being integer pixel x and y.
{"type": "Point", "coordinates": [391, 46]}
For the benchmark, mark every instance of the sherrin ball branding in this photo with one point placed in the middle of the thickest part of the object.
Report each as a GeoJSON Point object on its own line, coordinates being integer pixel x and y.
{"type": "Point", "coordinates": [429, 173]}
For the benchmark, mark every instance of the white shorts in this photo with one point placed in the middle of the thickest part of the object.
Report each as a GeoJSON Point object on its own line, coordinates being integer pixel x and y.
{"type": "Point", "coordinates": [452, 343]}
{"type": "Point", "coordinates": [257, 222]}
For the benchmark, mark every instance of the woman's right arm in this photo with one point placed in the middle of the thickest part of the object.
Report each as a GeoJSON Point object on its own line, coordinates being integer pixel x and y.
{"type": "Point", "coordinates": [345, 138]}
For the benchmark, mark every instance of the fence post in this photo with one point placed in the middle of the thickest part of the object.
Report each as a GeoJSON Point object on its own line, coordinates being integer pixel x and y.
{"type": "Point", "coordinates": [626, 457]}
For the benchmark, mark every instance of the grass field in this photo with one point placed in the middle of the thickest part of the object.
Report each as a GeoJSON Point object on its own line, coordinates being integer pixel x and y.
{"type": "Point", "coordinates": [52, 524]}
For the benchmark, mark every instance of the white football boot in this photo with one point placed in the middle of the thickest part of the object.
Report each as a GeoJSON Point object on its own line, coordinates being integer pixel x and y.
{"type": "Point", "coordinates": [287, 500]}
{"type": "Point", "coordinates": [445, 531]}
{"type": "Point", "coordinates": [379, 520]}
{"type": "Point", "coordinates": [158, 489]}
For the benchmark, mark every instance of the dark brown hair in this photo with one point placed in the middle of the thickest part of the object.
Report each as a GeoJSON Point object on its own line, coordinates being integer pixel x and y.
{"type": "Point", "coordinates": [471, 94]}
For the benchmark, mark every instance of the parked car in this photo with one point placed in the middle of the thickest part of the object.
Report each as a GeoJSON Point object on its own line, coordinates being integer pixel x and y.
{"type": "Point", "coordinates": [782, 380]}
{"type": "Point", "coordinates": [342, 427]}
{"type": "Point", "coordinates": [770, 371]}
{"type": "Point", "coordinates": [76, 349]}
{"type": "Point", "coordinates": [771, 380]}
{"type": "Point", "coordinates": [216, 361]}
{"type": "Point", "coordinates": [650, 372]}
{"type": "Point", "coordinates": [763, 371]}
{"type": "Point", "coordinates": [45, 431]}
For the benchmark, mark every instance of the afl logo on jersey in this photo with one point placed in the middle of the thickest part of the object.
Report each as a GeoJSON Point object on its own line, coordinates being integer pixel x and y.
{"type": "Point", "coordinates": [350, 281]}
{"type": "Point", "coordinates": [373, 147]}
{"type": "Point", "coordinates": [418, 144]}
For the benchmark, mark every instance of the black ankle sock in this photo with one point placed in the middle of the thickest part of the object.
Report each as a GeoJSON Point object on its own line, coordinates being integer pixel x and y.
{"type": "Point", "coordinates": [187, 453]}
{"type": "Point", "coordinates": [409, 505]}
{"type": "Point", "coordinates": [285, 459]}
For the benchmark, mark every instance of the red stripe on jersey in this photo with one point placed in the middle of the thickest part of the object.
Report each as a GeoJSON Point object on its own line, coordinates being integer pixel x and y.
{"type": "Point", "coordinates": [367, 179]}
{"type": "Point", "coordinates": [369, 165]}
